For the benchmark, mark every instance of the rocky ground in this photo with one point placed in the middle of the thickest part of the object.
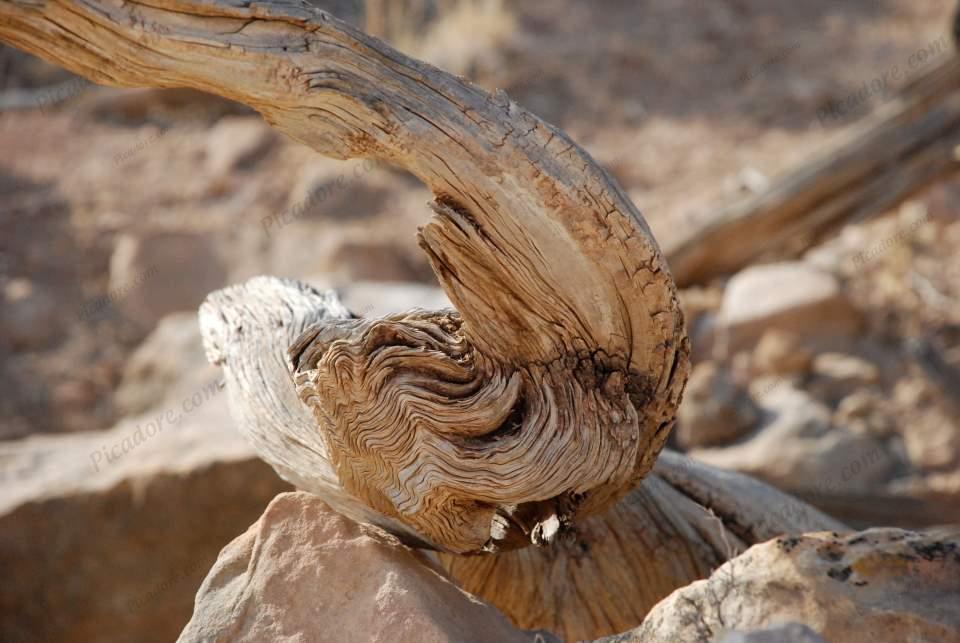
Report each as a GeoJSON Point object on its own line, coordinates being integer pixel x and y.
{"type": "Point", "coordinates": [836, 377]}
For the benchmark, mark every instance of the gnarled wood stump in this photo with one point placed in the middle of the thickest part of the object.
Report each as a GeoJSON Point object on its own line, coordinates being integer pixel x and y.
{"type": "Point", "coordinates": [551, 390]}
{"type": "Point", "coordinates": [599, 577]}
{"type": "Point", "coordinates": [543, 399]}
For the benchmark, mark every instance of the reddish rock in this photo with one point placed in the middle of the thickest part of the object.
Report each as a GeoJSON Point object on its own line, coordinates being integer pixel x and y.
{"type": "Point", "coordinates": [304, 572]}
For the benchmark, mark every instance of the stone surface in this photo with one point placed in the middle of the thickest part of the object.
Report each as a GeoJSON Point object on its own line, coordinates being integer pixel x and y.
{"type": "Point", "coordinates": [876, 585]}
{"type": "Point", "coordinates": [29, 316]}
{"type": "Point", "coordinates": [789, 633]}
{"type": "Point", "coordinates": [237, 142]}
{"type": "Point", "coordinates": [112, 549]}
{"type": "Point", "coordinates": [303, 572]}
{"type": "Point", "coordinates": [837, 375]}
{"type": "Point", "coordinates": [790, 296]}
{"type": "Point", "coordinates": [714, 410]}
{"type": "Point", "coordinates": [781, 353]}
{"type": "Point", "coordinates": [170, 357]}
{"type": "Point", "coordinates": [157, 273]}
{"type": "Point", "coordinates": [798, 449]}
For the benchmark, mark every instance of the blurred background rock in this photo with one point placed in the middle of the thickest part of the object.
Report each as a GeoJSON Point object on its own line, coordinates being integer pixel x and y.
{"type": "Point", "coordinates": [836, 377]}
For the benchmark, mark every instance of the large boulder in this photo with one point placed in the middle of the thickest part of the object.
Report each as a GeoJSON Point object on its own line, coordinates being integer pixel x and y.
{"type": "Point", "coordinates": [789, 296]}
{"type": "Point", "coordinates": [304, 572]}
{"type": "Point", "coordinates": [106, 536]}
{"type": "Point", "coordinates": [171, 357]}
{"type": "Point", "coordinates": [155, 273]}
{"type": "Point", "coordinates": [876, 585]}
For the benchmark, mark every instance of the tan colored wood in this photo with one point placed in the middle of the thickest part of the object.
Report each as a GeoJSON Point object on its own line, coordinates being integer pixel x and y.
{"type": "Point", "coordinates": [600, 576]}
{"type": "Point", "coordinates": [681, 523]}
{"type": "Point", "coordinates": [906, 145]}
{"type": "Point", "coordinates": [522, 416]}
{"type": "Point", "coordinates": [551, 390]}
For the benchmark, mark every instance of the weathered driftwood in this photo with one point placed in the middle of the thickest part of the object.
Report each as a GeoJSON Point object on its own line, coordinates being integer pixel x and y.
{"type": "Point", "coordinates": [247, 330]}
{"type": "Point", "coordinates": [601, 577]}
{"type": "Point", "coordinates": [551, 391]}
{"type": "Point", "coordinates": [683, 521]}
{"type": "Point", "coordinates": [542, 400]}
{"type": "Point", "coordinates": [903, 147]}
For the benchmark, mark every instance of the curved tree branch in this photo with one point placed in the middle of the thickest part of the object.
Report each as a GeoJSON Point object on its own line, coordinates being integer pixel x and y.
{"type": "Point", "coordinates": [551, 391]}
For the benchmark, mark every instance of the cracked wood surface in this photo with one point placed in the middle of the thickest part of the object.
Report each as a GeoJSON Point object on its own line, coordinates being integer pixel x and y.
{"type": "Point", "coordinates": [683, 521]}
{"type": "Point", "coordinates": [601, 576]}
{"type": "Point", "coordinates": [549, 392]}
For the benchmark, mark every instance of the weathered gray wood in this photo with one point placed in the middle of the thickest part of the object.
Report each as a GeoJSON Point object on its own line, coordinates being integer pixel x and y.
{"type": "Point", "coordinates": [905, 146]}
{"type": "Point", "coordinates": [246, 331]}
{"type": "Point", "coordinates": [684, 519]}
{"type": "Point", "coordinates": [752, 510]}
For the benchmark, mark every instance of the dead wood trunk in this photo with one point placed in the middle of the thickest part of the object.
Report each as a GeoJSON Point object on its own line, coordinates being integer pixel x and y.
{"type": "Point", "coordinates": [542, 400]}
{"type": "Point", "coordinates": [683, 521]}
{"type": "Point", "coordinates": [908, 144]}
{"type": "Point", "coordinates": [600, 577]}
{"type": "Point", "coordinates": [551, 390]}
